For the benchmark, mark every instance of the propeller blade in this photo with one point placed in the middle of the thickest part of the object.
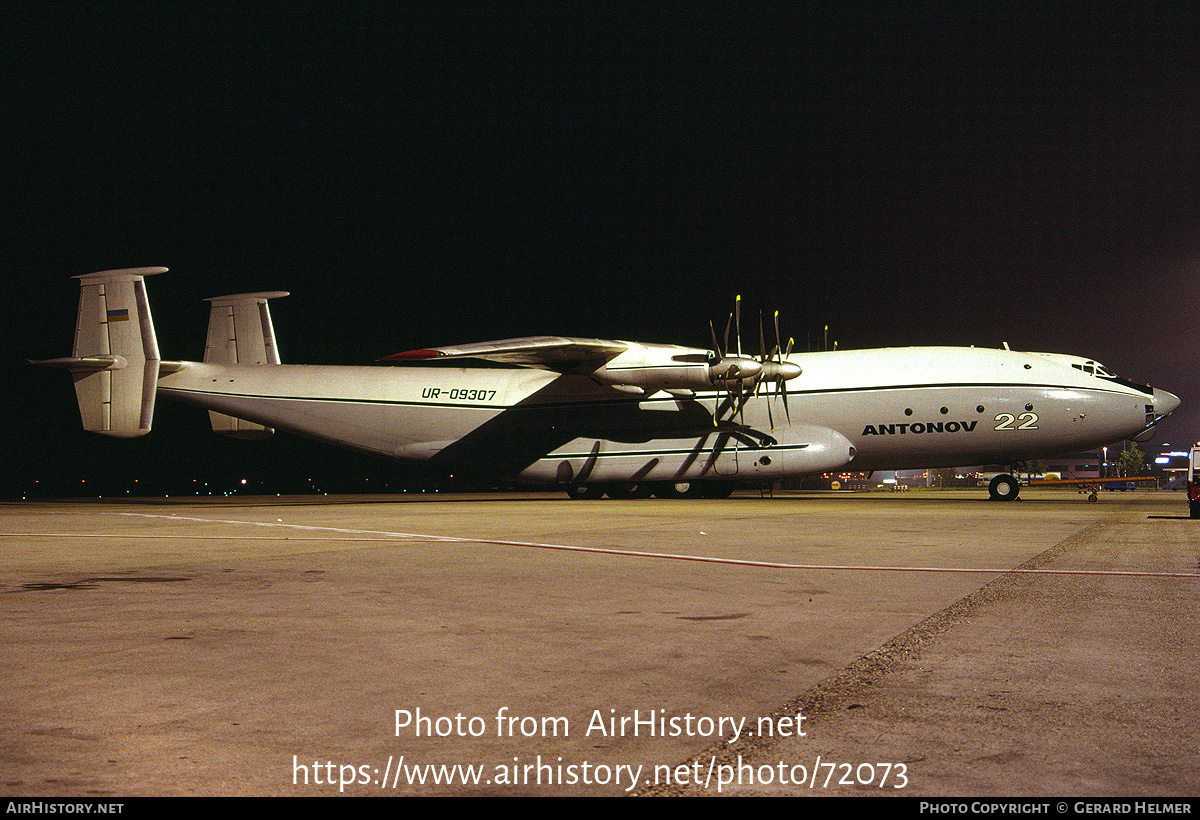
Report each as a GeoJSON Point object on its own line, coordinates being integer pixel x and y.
{"type": "Point", "coordinates": [762, 355]}
{"type": "Point", "coordinates": [777, 355]}
{"type": "Point", "coordinates": [783, 382]}
{"type": "Point", "coordinates": [779, 339]}
{"type": "Point", "coordinates": [737, 308]}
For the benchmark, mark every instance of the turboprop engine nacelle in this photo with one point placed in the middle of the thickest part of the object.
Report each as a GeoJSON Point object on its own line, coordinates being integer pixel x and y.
{"type": "Point", "coordinates": [647, 369]}
{"type": "Point", "coordinates": [779, 371]}
{"type": "Point", "coordinates": [728, 373]}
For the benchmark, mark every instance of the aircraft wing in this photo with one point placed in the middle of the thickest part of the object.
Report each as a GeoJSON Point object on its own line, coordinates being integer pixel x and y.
{"type": "Point", "coordinates": [558, 353]}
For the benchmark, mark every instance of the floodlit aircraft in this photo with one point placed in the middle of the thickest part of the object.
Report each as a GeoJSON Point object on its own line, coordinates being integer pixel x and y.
{"type": "Point", "coordinates": [602, 417]}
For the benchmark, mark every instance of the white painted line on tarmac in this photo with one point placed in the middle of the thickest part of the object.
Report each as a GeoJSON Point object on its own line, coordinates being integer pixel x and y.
{"type": "Point", "coordinates": [383, 536]}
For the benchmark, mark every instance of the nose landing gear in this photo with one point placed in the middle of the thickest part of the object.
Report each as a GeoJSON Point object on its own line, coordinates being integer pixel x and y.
{"type": "Point", "coordinates": [1004, 487]}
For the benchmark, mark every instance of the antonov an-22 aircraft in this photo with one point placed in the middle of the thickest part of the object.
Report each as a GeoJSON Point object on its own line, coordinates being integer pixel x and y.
{"type": "Point", "coordinates": [606, 417]}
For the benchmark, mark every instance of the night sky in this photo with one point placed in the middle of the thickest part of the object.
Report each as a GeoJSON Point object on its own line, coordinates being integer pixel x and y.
{"type": "Point", "coordinates": [446, 173]}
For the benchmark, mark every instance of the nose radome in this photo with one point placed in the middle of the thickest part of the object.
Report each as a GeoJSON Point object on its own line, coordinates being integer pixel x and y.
{"type": "Point", "coordinates": [1164, 402]}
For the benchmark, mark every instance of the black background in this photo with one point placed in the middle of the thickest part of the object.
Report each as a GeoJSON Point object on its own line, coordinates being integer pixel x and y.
{"type": "Point", "coordinates": [421, 174]}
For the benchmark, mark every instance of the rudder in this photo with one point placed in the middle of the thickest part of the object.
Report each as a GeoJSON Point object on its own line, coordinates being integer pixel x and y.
{"type": "Point", "coordinates": [240, 332]}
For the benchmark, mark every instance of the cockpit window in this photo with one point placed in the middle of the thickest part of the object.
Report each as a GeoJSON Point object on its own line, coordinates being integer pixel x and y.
{"type": "Point", "coordinates": [1094, 369]}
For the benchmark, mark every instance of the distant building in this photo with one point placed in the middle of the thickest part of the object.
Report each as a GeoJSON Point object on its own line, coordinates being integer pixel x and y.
{"type": "Point", "coordinates": [1080, 465]}
{"type": "Point", "coordinates": [1171, 466]}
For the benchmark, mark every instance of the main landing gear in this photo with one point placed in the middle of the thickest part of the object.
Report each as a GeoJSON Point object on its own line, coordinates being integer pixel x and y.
{"type": "Point", "coordinates": [661, 489]}
{"type": "Point", "coordinates": [1004, 487]}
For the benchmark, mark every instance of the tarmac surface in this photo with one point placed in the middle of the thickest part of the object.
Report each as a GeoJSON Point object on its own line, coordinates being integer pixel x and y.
{"type": "Point", "coordinates": [920, 644]}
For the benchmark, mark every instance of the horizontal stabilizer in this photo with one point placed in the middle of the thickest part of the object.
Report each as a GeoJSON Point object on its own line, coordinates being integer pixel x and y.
{"type": "Point", "coordinates": [86, 364]}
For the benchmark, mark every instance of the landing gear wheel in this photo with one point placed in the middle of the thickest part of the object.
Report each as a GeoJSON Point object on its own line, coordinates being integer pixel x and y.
{"type": "Point", "coordinates": [640, 490]}
{"type": "Point", "coordinates": [585, 491]}
{"type": "Point", "coordinates": [678, 489]}
{"type": "Point", "coordinates": [1004, 488]}
{"type": "Point", "coordinates": [717, 489]}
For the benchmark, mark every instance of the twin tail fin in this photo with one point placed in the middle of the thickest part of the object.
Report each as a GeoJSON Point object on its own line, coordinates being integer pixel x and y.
{"type": "Point", "coordinates": [115, 362]}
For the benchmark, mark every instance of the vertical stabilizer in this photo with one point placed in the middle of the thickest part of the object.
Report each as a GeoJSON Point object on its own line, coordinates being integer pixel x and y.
{"type": "Point", "coordinates": [115, 358]}
{"type": "Point", "coordinates": [240, 332]}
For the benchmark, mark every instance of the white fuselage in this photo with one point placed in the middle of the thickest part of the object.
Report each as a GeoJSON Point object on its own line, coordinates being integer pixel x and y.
{"type": "Point", "coordinates": [879, 409]}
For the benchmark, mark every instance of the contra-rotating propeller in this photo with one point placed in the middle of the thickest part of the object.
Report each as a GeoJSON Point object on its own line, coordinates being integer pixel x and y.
{"type": "Point", "coordinates": [744, 374]}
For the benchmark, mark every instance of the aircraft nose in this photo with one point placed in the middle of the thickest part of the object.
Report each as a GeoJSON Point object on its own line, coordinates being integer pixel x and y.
{"type": "Point", "coordinates": [1164, 402]}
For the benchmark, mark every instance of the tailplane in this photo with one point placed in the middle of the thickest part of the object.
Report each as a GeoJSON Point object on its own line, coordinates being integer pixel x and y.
{"type": "Point", "coordinates": [114, 361]}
